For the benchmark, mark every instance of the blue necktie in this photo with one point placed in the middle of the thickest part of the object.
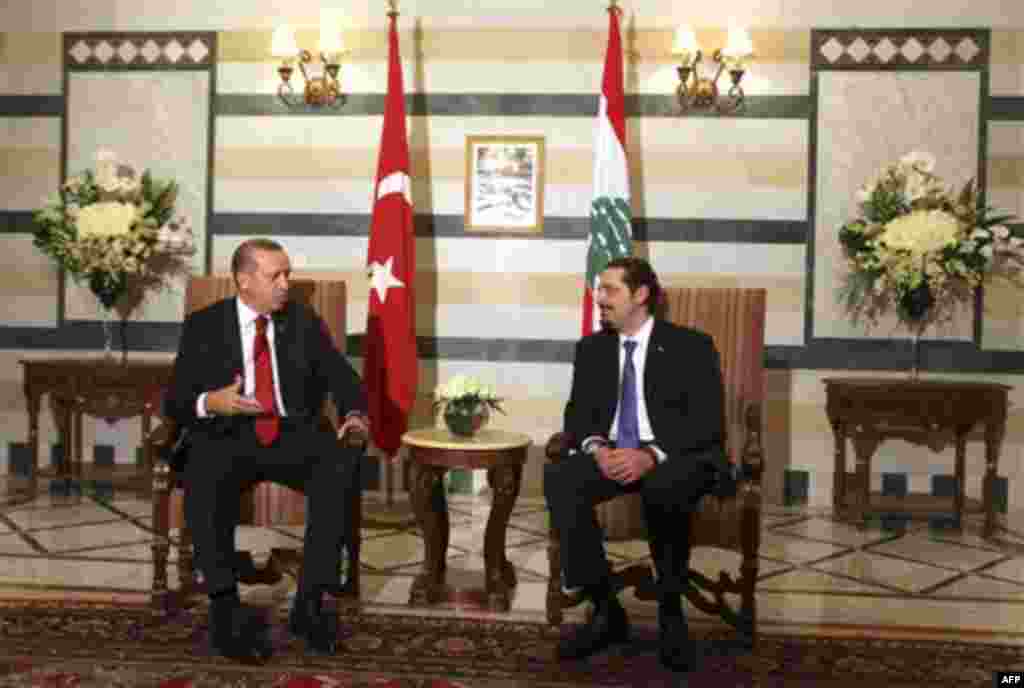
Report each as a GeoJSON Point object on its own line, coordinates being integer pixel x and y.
{"type": "Point", "coordinates": [629, 420]}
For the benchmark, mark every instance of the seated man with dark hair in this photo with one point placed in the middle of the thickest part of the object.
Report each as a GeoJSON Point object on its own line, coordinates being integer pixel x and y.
{"type": "Point", "coordinates": [248, 386]}
{"type": "Point", "coordinates": [646, 414]}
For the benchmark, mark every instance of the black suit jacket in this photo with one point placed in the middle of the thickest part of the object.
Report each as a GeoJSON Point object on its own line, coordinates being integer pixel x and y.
{"type": "Point", "coordinates": [308, 364]}
{"type": "Point", "coordinates": [682, 388]}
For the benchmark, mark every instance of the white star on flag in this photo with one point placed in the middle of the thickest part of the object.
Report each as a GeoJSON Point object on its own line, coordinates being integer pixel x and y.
{"type": "Point", "coordinates": [382, 278]}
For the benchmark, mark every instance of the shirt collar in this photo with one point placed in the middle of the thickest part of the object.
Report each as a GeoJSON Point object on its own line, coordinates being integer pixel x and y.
{"type": "Point", "coordinates": [246, 316]}
{"type": "Point", "coordinates": [642, 336]}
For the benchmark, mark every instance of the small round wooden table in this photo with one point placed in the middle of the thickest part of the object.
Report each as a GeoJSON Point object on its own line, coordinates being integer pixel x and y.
{"type": "Point", "coordinates": [433, 451]}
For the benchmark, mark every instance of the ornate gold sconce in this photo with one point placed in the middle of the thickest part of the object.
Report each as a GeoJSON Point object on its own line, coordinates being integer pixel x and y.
{"type": "Point", "coordinates": [698, 76]}
{"type": "Point", "coordinates": [321, 74]}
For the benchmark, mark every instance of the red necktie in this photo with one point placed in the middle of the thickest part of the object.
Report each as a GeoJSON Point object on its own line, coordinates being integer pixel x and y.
{"type": "Point", "coordinates": [266, 425]}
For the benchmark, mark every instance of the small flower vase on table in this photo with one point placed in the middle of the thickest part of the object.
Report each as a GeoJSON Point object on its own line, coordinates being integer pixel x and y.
{"type": "Point", "coordinates": [465, 405]}
{"type": "Point", "coordinates": [108, 288]}
{"type": "Point", "coordinates": [917, 329]}
{"type": "Point", "coordinates": [465, 421]}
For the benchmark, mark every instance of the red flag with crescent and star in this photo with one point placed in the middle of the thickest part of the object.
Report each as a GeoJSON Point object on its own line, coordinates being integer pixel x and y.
{"type": "Point", "coordinates": [390, 367]}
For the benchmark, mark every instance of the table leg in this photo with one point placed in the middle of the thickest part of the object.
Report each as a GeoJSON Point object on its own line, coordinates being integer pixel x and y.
{"type": "Point", "coordinates": [426, 589]}
{"type": "Point", "coordinates": [839, 468]}
{"type": "Point", "coordinates": [76, 466]}
{"type": "Point", "coordinates": [958, 495]}
{"type": "Point", "coordinates": [62, 419]}
{"type": "Point", "coordinates": [32, 400]}
{"type": "Point", "coordinates": [147, 449]}
{"type": "Point", "coordinates": [995, 429]}
{"type": "Point", "coordinates": [500, 576]}
{"type": "Point", "coordinates": [865, 444]}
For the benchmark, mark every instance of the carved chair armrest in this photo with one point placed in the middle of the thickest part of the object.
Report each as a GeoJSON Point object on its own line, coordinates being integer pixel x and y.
{"type": "Point", "coordinates": [161, 438]}
{"type": "Point", "coordinates": [752, 455]}
{"type": "Point", "coordinates": [557, 448]}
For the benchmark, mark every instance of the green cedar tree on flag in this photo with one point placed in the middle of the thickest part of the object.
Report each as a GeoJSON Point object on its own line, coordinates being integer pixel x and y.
{"type": "Point", "coordinates": [611, 234]}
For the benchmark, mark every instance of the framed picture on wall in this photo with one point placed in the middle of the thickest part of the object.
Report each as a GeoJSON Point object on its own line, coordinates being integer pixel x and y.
{"type": "Point", "coordinates": [505, 184]}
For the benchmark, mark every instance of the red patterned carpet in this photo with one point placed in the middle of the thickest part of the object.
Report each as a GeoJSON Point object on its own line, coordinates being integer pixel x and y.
{"type": "Point", "coordinates": [55, 645]}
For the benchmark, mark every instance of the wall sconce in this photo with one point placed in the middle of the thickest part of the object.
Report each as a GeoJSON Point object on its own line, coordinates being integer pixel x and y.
{"type": "Point", "coordinates": [321, 75]}
{"type": "Point", "coordinates": [698, 77]}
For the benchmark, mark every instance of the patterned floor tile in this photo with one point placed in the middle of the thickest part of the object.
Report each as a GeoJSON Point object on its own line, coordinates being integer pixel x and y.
{"type": "Point", "coordinates": [536, 522]}
{"type": "Point", "coordinates": [805, 580]}
{"type": "Point", "coordinates": [63, 540]}
{"type": "Point", "coordinates": [982, 587]}
{"type": "Point", "coordinates": [1011, 570]}
{"type": "Point", "coordinates": [471, 536]}
{"type": "Point", "coordinates": [141, 552]}
{"type": "Point", "coordinates": [392, 551]}
{"type": "Point", "coordinates": [923, 549]}
{"type": "Point", "coordinates": [886, 571]}
{"type": "Point", "coordinates": [833, 531]}
{"type": "Point", "coordinates": [795, 550]}
{"type": "Point", "coordinates": [64, 515]}
{"type": "Point", "coordinates": [15, 545]}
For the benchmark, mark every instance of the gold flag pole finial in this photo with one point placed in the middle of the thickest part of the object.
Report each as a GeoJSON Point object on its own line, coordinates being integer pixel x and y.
{"type": "Point", "coordinates": [392, 8]}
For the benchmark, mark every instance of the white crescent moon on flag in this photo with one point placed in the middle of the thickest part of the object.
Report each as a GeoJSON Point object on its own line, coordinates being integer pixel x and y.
{"type": "Point", "coordinates": [396, 182]}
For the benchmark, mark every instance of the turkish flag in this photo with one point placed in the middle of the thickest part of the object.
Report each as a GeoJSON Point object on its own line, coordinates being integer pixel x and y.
{"type": "Point", "coordinates": [390, 350]}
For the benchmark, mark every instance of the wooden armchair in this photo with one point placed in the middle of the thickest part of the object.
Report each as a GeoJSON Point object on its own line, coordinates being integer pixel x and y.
{"type": "Point", "coordinates": [735, 319]}
{"type": "Point", "coordinates": [266, 503]}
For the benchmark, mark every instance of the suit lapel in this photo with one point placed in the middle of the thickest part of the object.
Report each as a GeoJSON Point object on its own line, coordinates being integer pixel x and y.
{"type": "Point", "coordinates": [280, 322]}
{"type": "Point", "coordinates": [233, 336]}
{"type": "Point", "coordinates": [654, 366]}
{"type": "Point", "coordinates": [610, 362]}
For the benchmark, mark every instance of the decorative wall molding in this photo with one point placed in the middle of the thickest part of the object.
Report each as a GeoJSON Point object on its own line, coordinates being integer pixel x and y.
{"type": "Point", "coordinates": [567, 228]}
{"type": "Point", "coordinates": [140, 50]}
{"type": "Point", "coordinates": [502, 104]}
{"type": "Point", "coordinates": [1006, 109]}
{"type": "Point", "coordinates": [875, 49]}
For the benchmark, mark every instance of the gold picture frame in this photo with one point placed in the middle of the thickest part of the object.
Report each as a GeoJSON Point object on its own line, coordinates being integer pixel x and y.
{"type": "Point", "coordinates": [505, 184]}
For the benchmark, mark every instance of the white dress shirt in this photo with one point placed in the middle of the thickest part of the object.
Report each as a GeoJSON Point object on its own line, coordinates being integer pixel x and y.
{"type": "Point", "coordinates": [642, 338]}
{"type": "Point", "coordinates": [247, 326]}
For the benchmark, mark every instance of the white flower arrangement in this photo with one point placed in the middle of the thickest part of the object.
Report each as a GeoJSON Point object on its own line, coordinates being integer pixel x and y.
{"type": "Point", "coordinates": [108, 224]}
{"type": "Point", "coordinates": [464, 394]}
{"type": "Point", "coordinates": [919, 249]}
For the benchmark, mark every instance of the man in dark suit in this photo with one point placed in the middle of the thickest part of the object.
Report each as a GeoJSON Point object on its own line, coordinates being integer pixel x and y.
{"type": "Point", "coordinates": [645, 414]}
{"type": "Point", "coordinates": [248, 385]}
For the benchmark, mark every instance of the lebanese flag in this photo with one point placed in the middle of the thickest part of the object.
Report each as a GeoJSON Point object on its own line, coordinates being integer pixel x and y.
{"type": "Point", "coordinates": [390, 353]}
{"type": "Point", "coordinates": [611, 234]}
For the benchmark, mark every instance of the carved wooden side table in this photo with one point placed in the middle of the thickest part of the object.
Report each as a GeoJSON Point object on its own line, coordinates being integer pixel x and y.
{"type": "Point", "coordinates": [95, 386]}
{"type": "Point", "coordinates": [934, 413]}
{"type": "Point", "coordinates": [433, 451]}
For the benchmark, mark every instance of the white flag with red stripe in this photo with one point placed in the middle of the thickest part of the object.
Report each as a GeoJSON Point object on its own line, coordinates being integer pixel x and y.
{"type": "Point", "coordinates": [390, 367]}
{"type": "Point", "coordinates": [611, 233]}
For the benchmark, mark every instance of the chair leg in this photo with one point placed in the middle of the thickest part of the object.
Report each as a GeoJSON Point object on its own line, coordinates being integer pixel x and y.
{"type": "Point", "coordinates": [748, 602]}
{"type": "Point", "coordinates": [554, 599]}
{"type": "Point", "coordinates": [186, 569]}
{"type": "Point", "coordinates": [159, 596]}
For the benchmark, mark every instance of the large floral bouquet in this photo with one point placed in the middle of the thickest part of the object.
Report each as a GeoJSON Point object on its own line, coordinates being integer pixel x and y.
{"type": "Point", "coordinates": [919, 248]}
{"type": "Point", "coordinates": [107, 225]}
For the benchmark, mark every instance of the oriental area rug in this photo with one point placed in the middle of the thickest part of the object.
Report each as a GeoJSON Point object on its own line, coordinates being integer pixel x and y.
{"type": "Point", "coordinates": [81, 645]}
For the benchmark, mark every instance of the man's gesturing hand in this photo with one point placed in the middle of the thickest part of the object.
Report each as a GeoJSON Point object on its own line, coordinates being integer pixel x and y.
{"type": "Point", "coordinates": [228, 401]}
{"type": "Point", "coordinates": [355, 423]}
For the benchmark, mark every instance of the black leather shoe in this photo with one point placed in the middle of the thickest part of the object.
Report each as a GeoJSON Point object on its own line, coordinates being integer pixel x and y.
{"type": "Point", "coordinates": [675, 649]}
{"type": "Point", "coordinates": [309, 621]}
{"type": "Point", "coordinates": [608, 625]}
{"type": "Point", "coordinates": [239, 632]}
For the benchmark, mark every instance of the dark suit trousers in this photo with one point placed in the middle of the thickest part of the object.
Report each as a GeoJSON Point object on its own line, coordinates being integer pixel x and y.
{"type": "Point", "coordinates": [670, 492]}
{"type": "Point", "coordinates": [304, 458]}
